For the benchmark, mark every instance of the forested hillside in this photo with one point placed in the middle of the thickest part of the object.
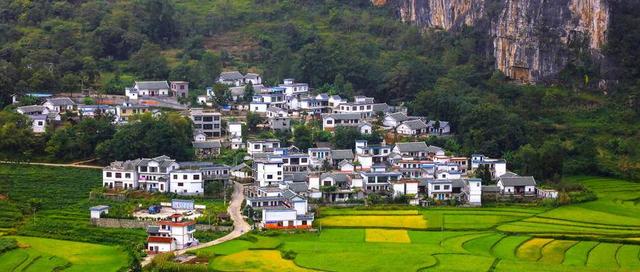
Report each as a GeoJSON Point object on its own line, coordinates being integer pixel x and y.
{"type": "Point", "coordinates": [343, 47]}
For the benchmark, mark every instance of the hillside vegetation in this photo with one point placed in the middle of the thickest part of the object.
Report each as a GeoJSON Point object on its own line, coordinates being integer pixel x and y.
{"type": "Point", "coordinates": [342, 47]}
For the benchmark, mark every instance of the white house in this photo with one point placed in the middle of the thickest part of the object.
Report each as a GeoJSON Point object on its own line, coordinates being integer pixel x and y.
{"type": "Point", "coordinates": [331, 121]}
{"type": "Point", "coordinates": [259, 107]}
{"type": "Point", "coordinates": [497, 167]}
{"type": "Point", "coordinates": [294, 88]}
{"type": "Point", "coordinates": [60, 104]}
{"type": "Point", "coordinates": [121, 175]}
{"type": "Point", "coordinates": [473, 189]}
{"type": "Point", "coordinates": [273, 112]}
{"type": "Point", "coordinates": [98, 211]}
{"type": "Point", "coordinates": [318, 155]}
{"type": "Point", "coordinates": [150, 88]}
{"type": "Point", "coordinates": [517, 185]}
{"type": "Point", "coordinates": [153, 174]}
{"type": "Point", "coordinates": [234, 130]}
{"type": "Point", "coordinates": [93, 110]}
{"type": "Point", "coordinates": [412, 128]}
{"type": "Point", "coordinates": [438, 127]}
{"type": "Point", "coordinates": [394, 119]}
{"type": "Point", "coordinates": [187, 182]}
{"type": "Point", "coordinates": [172, 234]}
{"type": "Point", "coordinates": [261, 146]}
{"type": "Point", "coordinates": [268, 171]}
{"type": "Point", "coordinates": [180, 88]}
{"type": "Point", "coordinates": [405, 187]}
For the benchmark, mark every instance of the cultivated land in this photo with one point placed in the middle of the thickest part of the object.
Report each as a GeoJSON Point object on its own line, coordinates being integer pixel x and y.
{"type": "Point", "coordinates": [41, 254]}
{"type": "Point", "coordinates": [601, 235]}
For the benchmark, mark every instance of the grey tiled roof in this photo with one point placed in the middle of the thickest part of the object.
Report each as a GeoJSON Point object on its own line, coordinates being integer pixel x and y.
{"type": "Point", "coordinates": [398, 116]}
{"type": "Point", "coordinates": [152, 85]}
{"type": "Point", "coordinates": [412, 147]}
{"type": "Point", "coordinates": [30, 109]}
{"type": "Point", "coordinates": [343, 116]}
{"type": "Point", "coordinates": [337, 177]}
{"type": "Point", "coordinates": [231, 75]}
{"type": "Point", "coordinates": [415, 124]}
{"type": "Point", "coordinates": [61, 101]}
{"type": "Point", "coordinates": [518, 181]}
{"type": "Point", "coordinates": [207, 144]}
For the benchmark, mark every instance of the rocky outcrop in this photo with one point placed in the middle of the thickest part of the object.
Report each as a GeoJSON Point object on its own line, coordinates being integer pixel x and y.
{"type": "Point", "coordinates": [532, 39]}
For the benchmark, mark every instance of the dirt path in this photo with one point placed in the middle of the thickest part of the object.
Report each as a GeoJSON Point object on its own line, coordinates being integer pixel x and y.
{"type": "Point", "coordinates": [240, 226]}
{"type": "Point", "coordinates": [74, 164]}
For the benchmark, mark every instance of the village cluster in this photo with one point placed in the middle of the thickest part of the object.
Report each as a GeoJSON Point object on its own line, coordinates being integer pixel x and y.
{"type": "Point", "coordinates": [284, 179]}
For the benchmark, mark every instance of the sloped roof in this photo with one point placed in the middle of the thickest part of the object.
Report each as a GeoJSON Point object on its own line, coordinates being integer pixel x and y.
{"type": "Point", "coordinates": [518, 181]}
{"type": "Point", "coordinates": [231, 75]}
{"type": "Point", "coordinates": [152, 85]}
{"type": "Point", "coordinates": [337, 177]}
{"type": "Point", "coordinates": [432, 123]}
{"type": "Point", "coordinates": [296, 177]}
{"type": "Point", "coordinates": [412, 147]}
{"type": "Point", "coordinates": [415, 124]}
{"type": "Point", "coordinates": [343, 116]}
{"type": "Point", "coordinates": [434, 149]}
{"type": "Point", "coordinates": [61, 101]}
{"type": "Point", "coordinates": [398, 116]}
{"type": "Point", "coordinates": [207, 144]}
{"type": "Point", "coordinates": [32, 108]}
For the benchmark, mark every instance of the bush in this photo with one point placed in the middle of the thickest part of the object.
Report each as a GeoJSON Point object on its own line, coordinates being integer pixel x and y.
{"type": "Point", "coordinates": [289, 254]}
{"type": "Point", "coordinates": [165, 263]}
{"type": "Point", "coordinates": [7, 244]}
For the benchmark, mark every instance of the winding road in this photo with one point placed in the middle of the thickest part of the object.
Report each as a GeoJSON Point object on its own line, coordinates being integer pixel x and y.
{"type": "Point", "coordinates": [240, 226]}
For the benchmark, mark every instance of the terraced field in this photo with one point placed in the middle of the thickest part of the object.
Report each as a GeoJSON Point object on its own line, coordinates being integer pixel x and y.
{"type": "Point", "coordinates": [584, 237]}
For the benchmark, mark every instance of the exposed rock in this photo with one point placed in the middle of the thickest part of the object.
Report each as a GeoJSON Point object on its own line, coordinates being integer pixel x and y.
{"type": "Point", "coordinates": [532, 39]}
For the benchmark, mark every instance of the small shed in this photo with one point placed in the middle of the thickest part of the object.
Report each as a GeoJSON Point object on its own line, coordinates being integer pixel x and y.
{"type": "Point", "coordinates": [97, 211]}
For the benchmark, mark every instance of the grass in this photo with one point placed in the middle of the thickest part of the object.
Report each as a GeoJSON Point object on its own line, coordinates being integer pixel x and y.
{"type": "Point", "coordinates": [226, 248]}
{"type": "Point", "coordinates": [461, 262]}
{"type": "Point", "coordinates": [372, 221]}
{"type": "Point", "coordinates": [578, 254]}
{"type": "Point", "coordinates": [629, 257]}
{"type": "Point", "coordinates": [327, 212]}
{"type": "Point", "coordinates": [387, 236]}
{"type": "Point", "coordinates": [455, 244]}
{"type": "Point", "coordinates": [603, 256]}
{"type": "Point", "coordinates": [482, 245]}
{"type": "Point", "coordinates": [37, 255]}
{"type": "Point", "coordinates": [506, 248]}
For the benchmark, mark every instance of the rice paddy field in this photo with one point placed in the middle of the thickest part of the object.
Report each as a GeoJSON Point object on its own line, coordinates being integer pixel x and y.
{"type": "Point", "coordinates": [602, 235]}
{"type": "Point", "coordinates": [41, 254]}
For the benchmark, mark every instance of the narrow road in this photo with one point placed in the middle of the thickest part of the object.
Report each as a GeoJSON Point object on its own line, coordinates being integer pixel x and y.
{"type": "Point", "coordinates": [74, 164]}
{"type": "Point", "coordinates": [240, 226]}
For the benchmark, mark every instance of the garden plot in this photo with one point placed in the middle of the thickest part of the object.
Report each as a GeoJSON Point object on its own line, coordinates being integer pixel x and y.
{"type": "Point", "coordinates": [387, 236]}
{"type": "Point", "coordinates": [374, 221]}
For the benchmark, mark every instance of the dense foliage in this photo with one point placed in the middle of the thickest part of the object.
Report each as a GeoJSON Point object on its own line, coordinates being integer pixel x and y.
{"type": "Point", "coordinates": [341, 47]}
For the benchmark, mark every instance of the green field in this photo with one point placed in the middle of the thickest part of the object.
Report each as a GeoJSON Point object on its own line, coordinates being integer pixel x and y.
{"type": "Point", "coordinates": [41, 254]}
{"type": "Point", "coordinates": [520, 238]}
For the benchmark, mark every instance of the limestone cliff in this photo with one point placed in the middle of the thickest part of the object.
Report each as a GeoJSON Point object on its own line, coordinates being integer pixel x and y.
{"type": "Point", "coordinates": [532, 39]}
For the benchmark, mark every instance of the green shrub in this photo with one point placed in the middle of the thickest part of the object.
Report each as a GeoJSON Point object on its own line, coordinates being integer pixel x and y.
{"type": "Point", "coordinates": [289, 254]}
{"type": "Point", "coordinates": [7, 244]}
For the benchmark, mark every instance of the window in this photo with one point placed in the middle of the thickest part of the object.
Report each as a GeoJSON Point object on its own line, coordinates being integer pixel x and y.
{"type": "Point", "coordinates": [368, 107]}
{"type": "Point", "coordinates": [39, 123]}
{"type": "Point", "coordinates": [269, 176]}
{"type": "Point", "coordinates": [216, 125]}
{"type": "Point", "coordinates": [216, 118]}
{"type": "Point", "coordinates": [127, 175]}
{"type": "Point", "coordinates": [207, 119]}
{"type": "Point", "coordinates": [436, 187]}
{"type": "Point", "coordinates": [196, 177]}
{"type": "Point", "coordinates": [207, 126]}
{"type": "Point", "coordinates": [108, 174]}
{"type": "Point", "coordinates": [446, 187]}
{"type": "Point", "coordinates": [175, 176]}
{"type": "Point", "coordinates": [184, 176]}
{"type": "Point", "coordinates": [303, 160]}
{"type": "Point", "coordinates": [118, 175]}
{"type": "Point", "coordinates": [256, 146]}
{"type": "Point", "coordinates": [180, 184]}
{"type": "Point", "coordinates": [143, 169]}
{"type": "Point", "coordinates": [153, 169]}
{"type": "Point", "coordinates": [197, 118]}
{"type": "Point", "coordinates": [279, 172]}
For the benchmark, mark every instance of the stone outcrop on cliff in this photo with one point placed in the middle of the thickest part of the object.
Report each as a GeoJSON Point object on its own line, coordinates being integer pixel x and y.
{"type": "Point", "coordinates": [532, 39]}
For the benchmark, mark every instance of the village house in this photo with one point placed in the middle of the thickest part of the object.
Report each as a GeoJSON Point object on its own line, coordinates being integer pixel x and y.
{"type": "Point", "coordinates": [342, 186]}
{"type": "Point", "coordinates": [180, 88]}
{"type": "Point", "coordinates": [412, 150]}
{"type": "Point", "coordinates": [187, 182]}
{"type": "Point", "coordinates": [125, 112]}
{"type": "Point", "coordinates": [153, 174]}
{"type": "Point", "coordinates": [412, 128]}
{"type": "Point", "coordinates": [319, 155]}
{"type": "Point", "coordinates": [438, 127]}
{"type": "Point", "coordinates": [171, 234]}
{"type": "Point", "coordinates": [497, 167]}
{"type": "Point", "coordinates": [262, 146]}
{"type": "Point", "coordinates": [394, 119]}
{"type": "Point", "coordinates": [93, 110]}
{"type": "Point", "coordinates": [368, 155]}
{"type": "Point", "coordinates": [340, 155]}
{"type": "Point", "coordinates": [512, 184]}
{"type": "Point", "coordinates": [293, 88]}
{"type": "Point", "coordinates": [379, 181]}
{"type": "Point", "coordinates": [279, 123]}
{"type": "Point", "coordinates": [268, 171]}
{"type": "Point", "coordinates": [60, 104]}
{"type": "Point", "coordinates": [208, 121]}
{"type": "Point", "coordinates": [233, 78]}
{"type": "Point", "coordinates": [39, 116]}
{"type": "Point", "coordinates": [148, 88]}
{"type": "Point", "coordinates": [206, 149]}
{"type": "Point", "coordinates": [121, 175]}
{"type": "Point", "coordinates": [273, 112]}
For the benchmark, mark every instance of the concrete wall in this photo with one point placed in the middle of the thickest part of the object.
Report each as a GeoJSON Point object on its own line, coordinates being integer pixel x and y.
{"type": "Point", "coordinates": [132, 224]}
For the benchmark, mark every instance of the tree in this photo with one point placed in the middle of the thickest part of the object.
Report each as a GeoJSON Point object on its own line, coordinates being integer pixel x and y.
{"type": "Point", "coordinates": [345, 137]}
{"type": "Point", "coordinates": [302, 137]}
{"type": "Point", "coordinates": [79, 141]}
{"type": "Point", "coordinates": [222, 94]}
{"type": "Point", "coordinates": [16, 136]}
{"type": "Point", "coordinates": [484, 172]}
{"type": "Point", "coordinates": [148, 63]}
{"type": "Point", "coordinates": [253, 120]}
{"type": "Point", "coordinates": [248, 93]}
